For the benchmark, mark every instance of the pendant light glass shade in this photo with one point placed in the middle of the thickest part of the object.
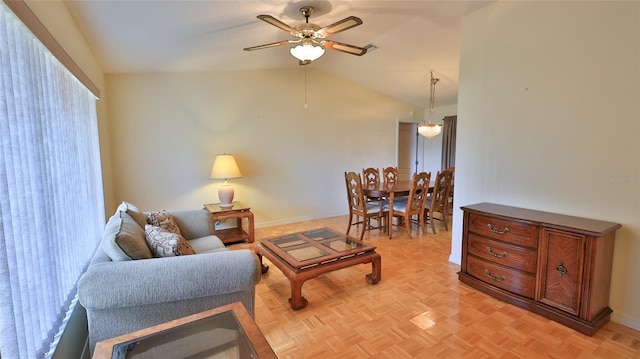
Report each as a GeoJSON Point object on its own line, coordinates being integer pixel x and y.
{"type": "Point", "coordinates": [429, 130]}
{"type": "Point", "coordinates": [307, 52]}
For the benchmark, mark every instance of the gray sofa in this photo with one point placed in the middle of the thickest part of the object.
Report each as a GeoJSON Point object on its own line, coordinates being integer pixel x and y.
{"type": "Point", "coordinates": [123, 294]}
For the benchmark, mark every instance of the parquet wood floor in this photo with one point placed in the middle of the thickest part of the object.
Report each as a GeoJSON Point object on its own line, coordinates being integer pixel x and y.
{"type": "Point", "coordinates": [418, 310]}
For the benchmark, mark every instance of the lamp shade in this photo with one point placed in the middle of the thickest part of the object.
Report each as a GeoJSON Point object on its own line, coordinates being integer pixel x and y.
{"type": "Point", "coordinates": [224, 167]}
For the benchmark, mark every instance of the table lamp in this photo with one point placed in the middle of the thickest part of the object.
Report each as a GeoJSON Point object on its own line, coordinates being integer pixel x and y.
{"type": "Point", "coordinates": [225, 167]}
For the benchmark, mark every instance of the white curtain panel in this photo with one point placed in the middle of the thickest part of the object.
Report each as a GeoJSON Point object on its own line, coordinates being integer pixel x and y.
{"type": "Point", "coordinates": [51, 198]}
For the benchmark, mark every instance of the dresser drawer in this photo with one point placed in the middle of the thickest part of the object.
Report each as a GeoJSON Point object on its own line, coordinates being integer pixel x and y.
{"type": "Point", "coordinates": [518, 233]}
{"type": "Point", "coordinates": [508, 255]}
{"type": "Point", "coordinates": [508, 279]}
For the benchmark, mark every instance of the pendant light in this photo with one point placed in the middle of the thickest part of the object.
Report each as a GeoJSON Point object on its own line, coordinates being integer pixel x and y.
{"type": "Point", "coordinates": [430, 130]}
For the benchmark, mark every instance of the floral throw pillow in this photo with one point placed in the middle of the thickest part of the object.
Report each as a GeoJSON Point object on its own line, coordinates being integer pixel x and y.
{"type": "Point", "coordinates": [164, 220]}
{"type": "Point", "coordinates": [166, 244]}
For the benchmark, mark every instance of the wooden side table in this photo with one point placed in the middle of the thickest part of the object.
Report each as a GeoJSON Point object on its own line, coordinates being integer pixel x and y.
{"type": "Point", "coordinates": [228, 331]}
{"type": "Point", "coordinates": [237, 233]}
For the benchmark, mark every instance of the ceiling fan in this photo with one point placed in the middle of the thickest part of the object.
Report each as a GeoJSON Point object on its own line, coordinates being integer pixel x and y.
{"type": "Point", "coordinates": [312, 39]}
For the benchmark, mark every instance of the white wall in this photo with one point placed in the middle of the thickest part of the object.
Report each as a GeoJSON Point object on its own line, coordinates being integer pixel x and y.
{"type": "Point", "coordinates": [170, 127]}
{"type": "Point", "coordinates": [548, 119]}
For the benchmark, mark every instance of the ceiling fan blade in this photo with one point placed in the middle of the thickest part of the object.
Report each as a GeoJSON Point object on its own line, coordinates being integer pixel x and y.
{"type": "Point", "coordinates": [349, 49]}
{"type": "Point", "coordinates": [266, 46]}
{"type": "Point", "coordinates": [277, 23]}
{"type": "Point", "coordinates": [339, 26]}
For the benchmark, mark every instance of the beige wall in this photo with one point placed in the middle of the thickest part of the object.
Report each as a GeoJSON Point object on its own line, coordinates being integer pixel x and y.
{"type": "Point", "coordinates": [170, 127]}
{"type": "Point", "coordinates": [548, 119]}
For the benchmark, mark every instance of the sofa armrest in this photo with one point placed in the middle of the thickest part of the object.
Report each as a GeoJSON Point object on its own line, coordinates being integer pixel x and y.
{"type": "Point", "coordinates": [194, 223]}
{"type": "Point", "coordinates": [160, 280]}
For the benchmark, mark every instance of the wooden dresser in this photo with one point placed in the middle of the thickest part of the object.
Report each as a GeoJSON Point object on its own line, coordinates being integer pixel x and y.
{"type": "Point", "coordinates": [555, 265]}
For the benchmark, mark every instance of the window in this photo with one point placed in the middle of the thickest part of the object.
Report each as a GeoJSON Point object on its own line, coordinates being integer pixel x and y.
{"type": "Point", "coordinates": [51, 200]}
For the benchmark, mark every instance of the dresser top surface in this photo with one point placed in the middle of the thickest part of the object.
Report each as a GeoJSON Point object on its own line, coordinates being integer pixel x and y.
{"type": "Point", "coordinates": [545, 219]}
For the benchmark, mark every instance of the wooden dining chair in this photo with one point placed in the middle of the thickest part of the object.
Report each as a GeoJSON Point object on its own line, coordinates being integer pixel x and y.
{"type": "Point", "coordinates": [453, 180]}
{"type": "Point", "coordinates": [390, 174]}
{"type": "Point", "coordinates": [371, 177]}
{"type": "Point", "coordinates": [438, 201]}
{"type": "Point", "coordinates": [359, 207]}
{"type": "Point", "coordinates": [414, 205]}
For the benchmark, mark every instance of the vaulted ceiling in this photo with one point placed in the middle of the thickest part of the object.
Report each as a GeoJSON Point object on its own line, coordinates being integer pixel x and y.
{"type": "Point", "coordinates": [411, 39]}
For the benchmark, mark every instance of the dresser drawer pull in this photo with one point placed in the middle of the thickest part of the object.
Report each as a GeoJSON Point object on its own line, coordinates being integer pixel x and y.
{"type": "Point", "coordinates": [505, 230]}
{"type": "Point", "coordinates": [561, 269]}
{"type": "Point", "coordinates": [497, 279]}
{"type": "Point", "coordinates": [496, 254]}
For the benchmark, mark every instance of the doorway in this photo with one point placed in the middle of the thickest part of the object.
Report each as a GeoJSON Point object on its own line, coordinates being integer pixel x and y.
{"type": "Point", "coordinates": [408, 149]}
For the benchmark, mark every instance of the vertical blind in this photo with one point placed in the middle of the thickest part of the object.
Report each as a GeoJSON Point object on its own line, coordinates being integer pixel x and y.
{"type": "Point", "coordinates": [51, 199]}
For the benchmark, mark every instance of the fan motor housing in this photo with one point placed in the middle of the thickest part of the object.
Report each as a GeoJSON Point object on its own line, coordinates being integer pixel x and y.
{"type": "Point", "coordinates": [307, 28]}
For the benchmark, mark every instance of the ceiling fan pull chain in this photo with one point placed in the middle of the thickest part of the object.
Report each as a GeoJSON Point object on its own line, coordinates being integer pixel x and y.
{"type": "Point", "coordinates": [305, 87]}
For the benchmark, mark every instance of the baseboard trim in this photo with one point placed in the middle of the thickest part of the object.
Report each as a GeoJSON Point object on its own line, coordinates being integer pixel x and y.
{"type": "Point", "coordinates": [626, 320]}
{"type": "Point", "coordinates": [297, 219]}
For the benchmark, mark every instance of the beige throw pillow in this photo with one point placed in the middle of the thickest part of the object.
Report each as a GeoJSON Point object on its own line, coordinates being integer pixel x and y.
{"type": "Point", "coordinates": [164, 243]}
{"type": "Point", "coordinates": [134, 212]}
{"type": "Point", "coordinates": [164, 220]}
{"type": "Point", "coordinates": [123, 239]}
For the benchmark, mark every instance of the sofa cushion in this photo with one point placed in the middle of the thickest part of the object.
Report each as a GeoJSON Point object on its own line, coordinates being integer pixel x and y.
{"type": "Point", "coordinates": [123, 239]}
{"type": "Point", "coordinates": [164, 243]}
{"type": "Point", "coordinates": [164, 220]}
{"type": "Point", "coordinates": [134, 212]}
{"type": "Point", "coordinates": [207, 244]}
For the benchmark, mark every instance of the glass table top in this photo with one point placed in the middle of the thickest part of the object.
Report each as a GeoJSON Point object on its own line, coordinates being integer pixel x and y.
{"type": "Point", "coordinates": [218, 336]}
{"type": "Point", "coordinates": [226, 332]}
{"type": "Point", "coordinates": [318, 245]}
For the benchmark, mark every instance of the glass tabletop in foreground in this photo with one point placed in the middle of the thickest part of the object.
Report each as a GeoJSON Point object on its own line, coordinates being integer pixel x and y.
{"type": "Point", "coordinates": [218, 336]}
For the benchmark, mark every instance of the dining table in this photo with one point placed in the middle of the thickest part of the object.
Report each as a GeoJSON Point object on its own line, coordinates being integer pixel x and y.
{"type": "Point", "coordinates": [390, 190]}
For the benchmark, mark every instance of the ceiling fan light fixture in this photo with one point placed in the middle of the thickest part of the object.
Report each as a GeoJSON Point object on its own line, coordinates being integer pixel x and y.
{"type": "Point", "coordinates": [307, 52]}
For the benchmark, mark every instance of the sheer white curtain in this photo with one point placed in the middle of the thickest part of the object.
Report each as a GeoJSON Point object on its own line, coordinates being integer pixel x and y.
{"type": "Point", "coordinates": [51, 201]}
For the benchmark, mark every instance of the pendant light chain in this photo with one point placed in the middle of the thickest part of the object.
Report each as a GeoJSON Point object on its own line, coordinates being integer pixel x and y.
{"type": "Point", "coordinates": [432, 95]}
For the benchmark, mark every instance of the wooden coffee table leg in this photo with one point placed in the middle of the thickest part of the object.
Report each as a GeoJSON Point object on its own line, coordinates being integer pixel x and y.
{"type": "Point", "coordinates": [297, 301]}
{"type": "Point", "coordinates": [376, 269]}
{"type": "Point", "coordinates": [264, 268]}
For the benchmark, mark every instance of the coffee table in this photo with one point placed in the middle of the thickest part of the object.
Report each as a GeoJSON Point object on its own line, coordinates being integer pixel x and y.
{"type": "Point", "coordinates": [307, 254]}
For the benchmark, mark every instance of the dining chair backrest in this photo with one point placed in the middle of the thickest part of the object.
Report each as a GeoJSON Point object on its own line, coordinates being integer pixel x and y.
{"type": "Point", "coordinates": [371, 176]}
{"type": "Point", "coordinates": [452, 170]}
{"type": "Point", "coordinates": [355, 195]}
{"type": "Point", "coordinates": [390, 175]}
{"type": "Point", "coordinates": [440, 195]}
{"type": "Point", "coordinates": [419, 192]}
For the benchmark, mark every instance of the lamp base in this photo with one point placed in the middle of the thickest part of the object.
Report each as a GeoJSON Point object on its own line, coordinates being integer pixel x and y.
{"type": "Point", "coordinates": [225, 193]}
